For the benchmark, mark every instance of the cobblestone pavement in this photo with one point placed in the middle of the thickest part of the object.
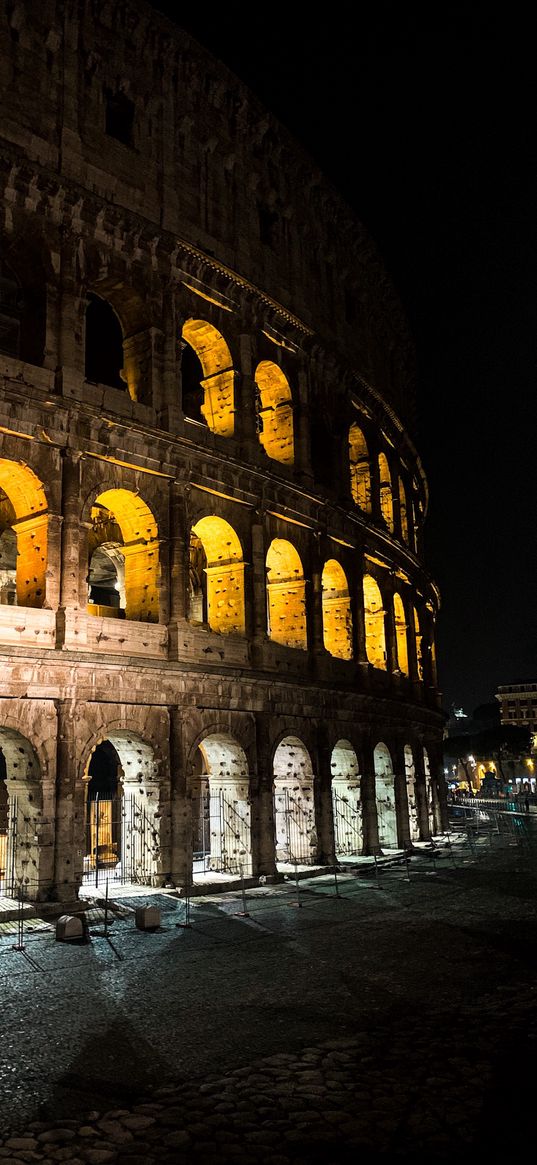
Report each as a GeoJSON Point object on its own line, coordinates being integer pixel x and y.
{"type": "Point", "coordinates": [416, 1038]}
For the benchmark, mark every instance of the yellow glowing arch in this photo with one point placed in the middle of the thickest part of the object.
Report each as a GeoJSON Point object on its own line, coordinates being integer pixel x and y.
{"type": "Point", "coordinates": [375, 635]}
{"type": "Point", "coordinates": [224, 574]}
{"type": "Point", "coordinates": [27, 496]}
{"type": "Point", "coordinates": [140, 551]}
{"type": "Point", "coordinates": [337, 618]}
{"type": "Point", "coordinates": [400, 633]}
{"type": "Point", "coordinates": [286, 595]}
{"type": "Point", "coordinates": [385, 486]}
{"type": "Point", "coordinates": [275, 412]}
{"type": "Point", "coordinates": [359, 469]}
{"type": "Point", "coordinates": [218, 382]}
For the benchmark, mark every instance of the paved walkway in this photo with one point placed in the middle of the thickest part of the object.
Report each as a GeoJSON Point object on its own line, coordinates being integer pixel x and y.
{"type": "Point", "coordinates": [438, 1057]}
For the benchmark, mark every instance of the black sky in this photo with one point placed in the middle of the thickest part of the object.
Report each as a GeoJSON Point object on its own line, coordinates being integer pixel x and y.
{"type": "Point", "coordinates": [425, 119]}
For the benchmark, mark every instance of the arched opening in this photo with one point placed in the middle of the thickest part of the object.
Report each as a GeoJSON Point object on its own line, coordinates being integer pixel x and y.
{"type": "Point", "coordinates": [123, 558]}
{"type": "Point", "coordinates": [359, 469]}
{"type": "Point", "coordinates": [103, 351]}
{"type": "Point", "coordinates": [274, 405]}
{"type": "Point", "coordinates": [211, 395]}
{"type": "Point", "coordinates": [418, 641]}
{"type": "Point", "coordinates": [221, 833]}
{"type": "Point", "coordinates": [23, 299]}
{"type": "Point", "coordinates": [400, 634]}
{"type": "Point", "coordinates": [294, 806]}
{"type": "Point", "coordinates": [21, 806]}
{"type": "Point", "coordinates": [11, 310]}
{"type": "Point", "coordinates": [23, 532]}
{"type": "Point", "coordinates": [337, 618]}
{"type": "Point", "coordinates": [429, 799]}
{"type": "Point", "coordinates": [122, 812]}
{"type": "Point", "coordinates": [386, 496]}
{"type": "Point", "coordinates": [216, 577]}
{"type": "Point", "coordinates": [286, 596]}
{"type": "Point", "coordinates": [410, 778]}
{"type": "Point", "coordinates": [375, 634]}
{"type": "Point", "coordinates": [385, 797]}
{"type": "Point", "coordinates": [346, 801]}
{"type": "Point", "coordinates": [403, 515]}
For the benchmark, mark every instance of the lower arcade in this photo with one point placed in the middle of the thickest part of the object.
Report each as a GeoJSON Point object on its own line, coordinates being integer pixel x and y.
{"type": "Point", "coordinates": [168, 801]}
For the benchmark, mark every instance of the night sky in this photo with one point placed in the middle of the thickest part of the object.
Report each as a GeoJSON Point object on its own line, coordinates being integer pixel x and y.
{"type": "Point", "coordinates": [427, 126]}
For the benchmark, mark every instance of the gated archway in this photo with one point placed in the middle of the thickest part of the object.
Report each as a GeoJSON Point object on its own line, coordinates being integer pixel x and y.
{"type": "Point", "coordinates": [410, 779]}
{"type": "Point", "coordinates": [122, 812]}
{"type": "Point", "coordinates": [346, 802]}
{"type": "Point", "coordinates": [220, 793]}
{"type": "Point", "coordinates": [21, 805]}
{"type": "Point", "coordinates": [385, 797]}
{"type": "Point", "coordinates": [294, 805]}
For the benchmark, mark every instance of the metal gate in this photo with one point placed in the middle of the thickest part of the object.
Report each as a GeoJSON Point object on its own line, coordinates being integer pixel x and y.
{"type": "Point", "coordinates": [347, 825]}
{"type": "Point", "coordinates": [222, 842]}
{"type": "Point", "coordinates": [121, 842]}
{"type": "Point", "coordinates": [17, 844]}
{"type": "Point", "coordinates": [295, 827]}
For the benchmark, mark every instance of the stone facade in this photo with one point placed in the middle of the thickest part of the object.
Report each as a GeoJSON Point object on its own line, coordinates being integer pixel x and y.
{"type": "Point", "coordinates": [211, 506]}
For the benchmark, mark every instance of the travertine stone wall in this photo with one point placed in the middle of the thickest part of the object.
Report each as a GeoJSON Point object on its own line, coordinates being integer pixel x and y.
{"type": "Point", "coordinates": [207, 231]}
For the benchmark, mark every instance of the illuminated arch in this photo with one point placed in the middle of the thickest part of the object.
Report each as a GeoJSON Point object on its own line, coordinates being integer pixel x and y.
{"type": "Point", "coordinates": [418, 641]}
{"type": "Point", "coordinates": [217, 576]}
{"type": "Point", "coordinates": [403, 512]}
{"type": "Point", "coordinates": [400, 634]}
{"type": "Point", "coordinates": [21, 806]}
{"type": "Point", "coordinates": [386, 497]}
{"type": "Point", "coordinates": [294, 807]}
{"type": "Point", "coordinates": [139, 549]}
{"type": "Point", "coordinates": [121, 777]}
{"type": "Point", "coordinates": [28, 517]}
{"type": "Point", "coordinates": [220, 807]}
{"type": "Point", "coordinates": [375, 634]}
{"type": "Point", "coordinates": [286, 595]}
{"type": "Point", "coordinates": [218, 383]}
{"type": "Point", "coordinates": [385, 797]}
{"type": "Point", "coordinates": [360, 469]}
{"type": "Point", "coordinates": [275, 412]}
{"type": "Point", "coordinates": [346, 802]}
{"type": "Point", "coordinates": [337, 618]}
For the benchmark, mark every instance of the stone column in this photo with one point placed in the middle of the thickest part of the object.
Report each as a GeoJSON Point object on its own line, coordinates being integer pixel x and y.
{"type": "Point", "coordinates": [178, 551]}
{"type": "Point", "coordinates": [263, 837]}
{"type": "Point", "coordinates": [401, 797]}
{"type": "Point", "coordinates": [259, 583]}
{"type": "Point", "coordinates": [73, 571]}
{"type": "Point", "coordinates": [53, 572]}
{"type": "Point", "coordinates": [245, 400]}
{"type": "Point", "coordinates": [301, 426]}
{"type": "Point", "coordinates": [369, 798]}
{"type": "Point", "coordinates": [180, 807]}
{"type": "Point", "coordinates": [70, 809]}
{"type": "Point", "coordinates": [389, 626]}
{"type": "Point", "coordinates": [323, 803]}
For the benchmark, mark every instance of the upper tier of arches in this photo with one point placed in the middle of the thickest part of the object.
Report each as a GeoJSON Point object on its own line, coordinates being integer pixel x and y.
{"type": "Point", "coordinates": [195, 370]}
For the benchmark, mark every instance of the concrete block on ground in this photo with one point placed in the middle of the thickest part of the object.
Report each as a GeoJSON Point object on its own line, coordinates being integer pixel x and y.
{"type": "Point", "coordinates": [68, 928]}
{"type": "Point", "coordinates": [147, 917]}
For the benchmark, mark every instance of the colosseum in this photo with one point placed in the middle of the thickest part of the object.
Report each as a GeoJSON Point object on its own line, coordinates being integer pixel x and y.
{"type": "Point", "coordinates": [216, 627]}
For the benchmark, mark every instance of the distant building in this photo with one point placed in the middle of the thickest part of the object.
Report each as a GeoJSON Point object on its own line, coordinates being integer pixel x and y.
{"type": "Point", "coordinates": [518, 704]}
